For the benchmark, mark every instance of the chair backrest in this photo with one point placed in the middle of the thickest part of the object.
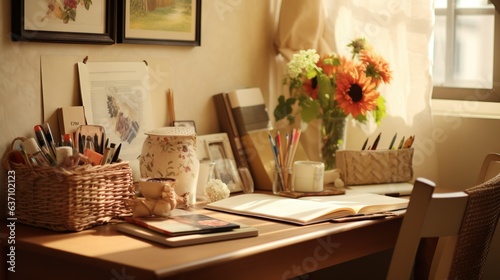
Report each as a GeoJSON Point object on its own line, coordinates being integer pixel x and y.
{"type": "Point", "coordinates": [463, 222]}
{"type": "Point", "coordinates": [490, 168]}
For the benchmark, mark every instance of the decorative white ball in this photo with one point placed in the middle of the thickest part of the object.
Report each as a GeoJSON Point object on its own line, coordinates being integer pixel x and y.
{"type": "Point", "coordinates": [216, 190]}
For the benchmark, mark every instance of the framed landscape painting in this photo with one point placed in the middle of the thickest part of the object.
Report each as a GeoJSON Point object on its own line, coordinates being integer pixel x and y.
{"type": "Point", "coordinates": [165, 22]}
{"type": "Point", "coordinates": [70, 21]}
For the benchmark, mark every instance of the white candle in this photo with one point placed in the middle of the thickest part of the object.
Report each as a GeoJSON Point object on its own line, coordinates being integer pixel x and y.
{"type": "Point", "coordinates": [308, 176]}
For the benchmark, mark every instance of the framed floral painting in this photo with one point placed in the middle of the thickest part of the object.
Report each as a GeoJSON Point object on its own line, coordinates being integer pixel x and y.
{"type": "Point", "coordinates": [68, 21]}
{"type": "Point", "coordinates": [165, 22]}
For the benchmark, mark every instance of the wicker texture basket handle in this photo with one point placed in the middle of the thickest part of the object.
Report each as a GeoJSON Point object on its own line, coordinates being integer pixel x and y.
{"type": "Point", "coordinates": [6, 156]}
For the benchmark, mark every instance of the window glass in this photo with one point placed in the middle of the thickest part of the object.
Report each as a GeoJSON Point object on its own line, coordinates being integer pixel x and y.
{"type": "Point", "coordinates": [466, 62]}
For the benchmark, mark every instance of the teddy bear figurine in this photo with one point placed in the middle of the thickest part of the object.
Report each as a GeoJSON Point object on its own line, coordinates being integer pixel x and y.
{"type": "Point", "coordinates": [156, 203]}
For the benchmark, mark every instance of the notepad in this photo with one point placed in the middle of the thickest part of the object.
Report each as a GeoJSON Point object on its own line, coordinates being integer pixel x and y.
{"type": "Point", "coordinates": [307, 210]}
{"type": "Point", "coordinates": [183, 224]}
{"type": "Point", "coordinates": [192, 239]}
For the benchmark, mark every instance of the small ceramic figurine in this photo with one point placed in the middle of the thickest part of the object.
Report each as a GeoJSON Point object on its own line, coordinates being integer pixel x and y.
{"type": "Point", "coordinates": [159, 198]}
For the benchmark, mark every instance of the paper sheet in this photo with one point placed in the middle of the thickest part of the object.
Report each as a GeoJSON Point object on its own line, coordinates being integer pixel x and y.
{"type": "Point", "coordinates": [116, 95]}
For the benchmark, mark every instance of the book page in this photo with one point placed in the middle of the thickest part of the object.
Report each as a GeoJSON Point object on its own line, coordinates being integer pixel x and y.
{"type": "Point", "coordinates": [363, 203]}
{"type": "Point", "coordinates": [280, 208]}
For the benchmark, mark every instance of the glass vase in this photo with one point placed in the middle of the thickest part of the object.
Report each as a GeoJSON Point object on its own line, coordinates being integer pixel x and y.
{"type": "Point", "coordinates": [333, 134]}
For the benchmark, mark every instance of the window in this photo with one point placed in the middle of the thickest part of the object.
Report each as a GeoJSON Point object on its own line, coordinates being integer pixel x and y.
{"type": "Point", "coordinates": [464, 61]}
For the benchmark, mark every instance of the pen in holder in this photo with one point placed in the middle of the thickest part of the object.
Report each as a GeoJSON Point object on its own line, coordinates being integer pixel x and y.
{"type": "Point", "coordinates": [283, 151]}
{"type": "Point", "coordinates": [282, 179]}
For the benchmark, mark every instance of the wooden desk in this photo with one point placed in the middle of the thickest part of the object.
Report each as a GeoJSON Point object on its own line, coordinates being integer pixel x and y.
{"type": "Point", "coordinates": [280, 251]}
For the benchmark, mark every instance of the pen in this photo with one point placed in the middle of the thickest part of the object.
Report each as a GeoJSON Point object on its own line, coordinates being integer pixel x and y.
{"type": "Point", "coordinates": [67, 140]}
{"type": "Point", "coordinates": [40, 136]}
{"type": "Point", "coordinates": [50, 138]}
{"type": "Point", "coordinates": [407, 143]}
{"type": "Point", "coordinates": [401, 143]}
{"type": "Point", "coordinates": [102, 143]}
{"type": "Point", "coordinates": [364, 145]}
{"type": "Point", "coordinates": [42, 142]}
{"type": "Point", "coordinates": [111, 153]}
{"type": "Point", "coordinates": [116, 153]}
{"type": "Point", "coordinates": [96, 143]}
{"type": "Point", "coordinates": [361, 217]}
{"type": "Point", "coordinates": [412, 140]}
{"type": "Point", "coordinates": [393, 140]}
{"type": "Point", "coordinates": [375, 143]}
{"type": "Point", "coordinates": [106, 155]}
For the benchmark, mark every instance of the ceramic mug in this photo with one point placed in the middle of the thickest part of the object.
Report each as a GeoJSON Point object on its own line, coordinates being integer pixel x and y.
{"type": "Point", "coordinates": [308, 176]}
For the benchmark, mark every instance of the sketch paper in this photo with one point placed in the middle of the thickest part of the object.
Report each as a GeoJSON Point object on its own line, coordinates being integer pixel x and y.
{"type": "Point", "coordinates": [116, 95]}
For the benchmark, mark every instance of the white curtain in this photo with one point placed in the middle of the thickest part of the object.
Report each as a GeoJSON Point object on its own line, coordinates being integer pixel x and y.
{"type": "Point", "coordinates": [401, 31]}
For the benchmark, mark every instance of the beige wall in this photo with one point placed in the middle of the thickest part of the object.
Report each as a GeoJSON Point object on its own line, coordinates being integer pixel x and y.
{"type": "Point", "coordinates": [236, 42]}
{"type": "Point", "coordinates": [236, 52]}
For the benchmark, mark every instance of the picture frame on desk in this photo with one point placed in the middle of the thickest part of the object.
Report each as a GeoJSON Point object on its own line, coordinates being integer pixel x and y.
{"type": "Point", "coordinates": [217, 148]}
{"type": "Point", "coordinates": [161, 22]}
{"type": "Point", "coordinates": [40, 21]}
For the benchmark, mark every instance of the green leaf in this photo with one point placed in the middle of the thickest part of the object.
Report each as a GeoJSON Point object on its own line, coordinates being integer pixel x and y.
{"type": "Point", "coordinates": [310, 109]}
{"type": "Point", "coordinates": [379, 113]}
{"type": "Point", "coordinates": [326, 90]}
{"type": "Point", "coordinates": [284, 107]}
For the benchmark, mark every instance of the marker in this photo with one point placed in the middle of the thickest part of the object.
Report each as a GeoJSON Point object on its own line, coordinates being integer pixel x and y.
{"type": "Point", "coordinates": [401, 143]}
{"type": "Point", "coordinates": [111, 152]}
{"type": "Point", "coordinates": [50, 138]}
{"type": "Point", "coordinates": [364, 145]}
{"type": "Point", "coordinates": [408, 142]}
{"type": "Point", "coordinates": [116, 153]}
{"type": "Point", "coordinates": [374, 147]}
{"type": "Point", "coordinates": [42, 142]}
{"type": "Point", "coordinates": [393, 140]}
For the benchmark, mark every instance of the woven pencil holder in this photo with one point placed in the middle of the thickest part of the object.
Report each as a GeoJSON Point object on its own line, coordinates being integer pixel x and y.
{"type": "Point", "coordinates": [375, 166]}
{"type": "Point", "coordinates": [69, 199]}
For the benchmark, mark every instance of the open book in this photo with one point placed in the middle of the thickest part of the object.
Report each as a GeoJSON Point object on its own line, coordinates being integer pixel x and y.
{"type": "Point", "coordinates": [307, 210]}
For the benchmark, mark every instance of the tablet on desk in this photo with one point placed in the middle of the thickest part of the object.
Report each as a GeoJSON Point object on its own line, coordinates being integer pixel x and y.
{"type": "Point", "coordinates": [391, 189]}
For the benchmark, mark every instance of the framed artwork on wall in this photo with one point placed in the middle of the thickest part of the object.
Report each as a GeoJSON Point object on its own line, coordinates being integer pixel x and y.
{"type": "Point", "coordinates": [71, 21]}
{"type": "Point", "coordinates": [164, 22]}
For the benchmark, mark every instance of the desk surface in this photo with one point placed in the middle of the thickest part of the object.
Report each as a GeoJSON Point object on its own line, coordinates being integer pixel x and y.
{"type": "Point", "coordinates": [281, 250]}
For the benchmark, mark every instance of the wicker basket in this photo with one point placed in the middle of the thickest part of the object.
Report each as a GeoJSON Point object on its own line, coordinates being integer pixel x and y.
{"type": "Point", "coordinates": [71, 199]}
{"type": "Point", "coordinates": [375, 167]}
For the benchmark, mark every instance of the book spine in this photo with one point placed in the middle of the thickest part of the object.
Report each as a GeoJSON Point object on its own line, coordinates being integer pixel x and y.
{"type": "Point", "coordinates": [228, 125]}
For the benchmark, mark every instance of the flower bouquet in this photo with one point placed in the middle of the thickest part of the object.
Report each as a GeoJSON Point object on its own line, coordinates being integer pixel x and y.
{"type": "Point", "coordinates": [332, 87]}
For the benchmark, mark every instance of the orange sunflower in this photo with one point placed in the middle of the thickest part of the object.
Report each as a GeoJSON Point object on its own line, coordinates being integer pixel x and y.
{"type": "Point", "coordinates": [310, 86]}
{"type": "Point", "coordinates": [356, 93]}
{"type": "Point", "coordinates": [376, 66]}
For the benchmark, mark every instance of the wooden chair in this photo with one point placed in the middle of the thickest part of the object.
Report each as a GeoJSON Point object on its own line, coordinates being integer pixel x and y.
{"type": "Point", "coordinates": [462, 223]}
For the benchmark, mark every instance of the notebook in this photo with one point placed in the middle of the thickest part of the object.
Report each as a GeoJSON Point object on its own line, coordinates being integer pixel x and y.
{"type": "Point", "coordinates": [183, 224]}
{"type": "Point", "coordinates": [176, 241]}
{"type": "Point", "coordinates": [392, 189]}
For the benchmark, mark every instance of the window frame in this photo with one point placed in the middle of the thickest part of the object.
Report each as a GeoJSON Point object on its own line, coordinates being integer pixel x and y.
{"type": "Point", "coordinates": [471, 94]}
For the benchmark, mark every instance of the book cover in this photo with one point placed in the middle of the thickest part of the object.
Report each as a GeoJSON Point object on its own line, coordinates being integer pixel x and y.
{"type": "Point", "coordinates": [70, 118]}
{"type": "Point", "coordinates": [307, 210]}
{"type": "Point", "coordinates": [183, 224]}
{"type": "Point", "coordinates": [249, 110]}
{"type": "Point", "coordinates": [184, 240]}
{"type": "Point", "coordinates": [228, 125]}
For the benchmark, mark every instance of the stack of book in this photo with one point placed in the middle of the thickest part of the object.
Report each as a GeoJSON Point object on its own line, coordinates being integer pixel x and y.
{"type": "Point", "coordinates": [184, 228]}
{"type": "Point", "coordinates": [243, 115]}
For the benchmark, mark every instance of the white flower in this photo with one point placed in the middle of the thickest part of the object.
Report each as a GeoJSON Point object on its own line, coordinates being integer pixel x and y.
{"type": "Point", "coordinates": [216, 190]}
{"type": "Point", "coordinates": [304, 60]}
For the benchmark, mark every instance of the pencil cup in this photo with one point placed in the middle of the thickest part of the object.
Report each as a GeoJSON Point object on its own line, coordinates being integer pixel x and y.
{"type": "Point", "coordinates": [308, 176]}
{"type": "Point", "coordinates": [282, 178]}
